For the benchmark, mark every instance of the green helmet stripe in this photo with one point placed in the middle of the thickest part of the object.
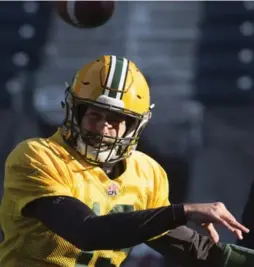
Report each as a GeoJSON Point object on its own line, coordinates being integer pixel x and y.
{"type": "Point", "coordinates": [117, 76]}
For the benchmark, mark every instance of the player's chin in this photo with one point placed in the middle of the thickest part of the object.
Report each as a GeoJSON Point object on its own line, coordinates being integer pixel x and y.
{"type": "Point", "coordinates": [98, 141]}
{"type": "Point", "coordinates": [103, 147]}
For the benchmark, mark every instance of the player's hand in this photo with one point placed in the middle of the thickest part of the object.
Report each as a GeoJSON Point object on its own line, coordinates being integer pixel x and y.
{"type": "Point", "coordinates": [209, 213]}
{"type": "Point", "coordinates": [211, 231]}
{"type": "Point", "coordinates": [214, 235]}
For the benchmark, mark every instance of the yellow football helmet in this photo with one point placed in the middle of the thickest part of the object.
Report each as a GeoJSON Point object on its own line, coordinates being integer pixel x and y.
{"type": "Point", "coordinates": [112, 83]}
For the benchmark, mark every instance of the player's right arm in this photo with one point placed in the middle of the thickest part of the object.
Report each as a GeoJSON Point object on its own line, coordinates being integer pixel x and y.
{"type": "Point", "coordinates": [75, 222]}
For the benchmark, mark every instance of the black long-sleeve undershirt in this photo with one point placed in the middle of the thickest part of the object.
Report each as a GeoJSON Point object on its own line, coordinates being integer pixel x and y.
{"type": "Point", "coordinates": [77, 223]}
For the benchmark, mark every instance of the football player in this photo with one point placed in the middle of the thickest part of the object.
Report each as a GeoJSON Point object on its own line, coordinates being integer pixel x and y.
{"type": "Point", "coordinates": [85, 197]}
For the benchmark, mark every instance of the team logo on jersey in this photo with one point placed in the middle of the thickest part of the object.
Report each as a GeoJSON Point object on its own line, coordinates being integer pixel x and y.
{"type": "Point", "coordinates": [113, 190]}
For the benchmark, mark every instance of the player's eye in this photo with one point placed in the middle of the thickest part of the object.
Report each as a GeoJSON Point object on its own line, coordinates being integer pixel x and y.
{"type": "Point", "coordinates": [115, 120]}
{"type": "Point", "coordinates": [94, 116]}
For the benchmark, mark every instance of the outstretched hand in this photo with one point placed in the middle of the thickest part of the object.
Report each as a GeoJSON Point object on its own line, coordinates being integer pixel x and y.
{"type": "Point", "coordinates": [209, 214]}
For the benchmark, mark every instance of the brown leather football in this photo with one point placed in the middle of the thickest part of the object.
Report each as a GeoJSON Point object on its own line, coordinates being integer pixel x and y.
{"type": "Point", "coordinates": [85, 14]}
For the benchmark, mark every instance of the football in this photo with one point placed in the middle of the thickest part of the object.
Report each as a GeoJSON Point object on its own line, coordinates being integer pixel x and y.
{"type": "Point", "coordinates": [85, 14]}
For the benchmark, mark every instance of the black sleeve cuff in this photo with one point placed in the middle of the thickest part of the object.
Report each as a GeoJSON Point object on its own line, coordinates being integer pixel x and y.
{"type": "Point", "coordinates": [179, 215]}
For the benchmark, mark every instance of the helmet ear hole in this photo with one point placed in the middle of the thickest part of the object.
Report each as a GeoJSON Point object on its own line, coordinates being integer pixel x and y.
{"type": "Point", "coordinates": [130, 122]}
{"type": "Point", "coordinates": [131, 125]}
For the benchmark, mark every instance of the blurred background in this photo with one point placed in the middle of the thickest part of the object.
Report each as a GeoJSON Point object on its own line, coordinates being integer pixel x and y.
{"type": "Point", "coordinates": [198, 59]}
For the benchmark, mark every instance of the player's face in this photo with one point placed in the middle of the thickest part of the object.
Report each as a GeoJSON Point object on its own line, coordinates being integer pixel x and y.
{"type": "Point", "coordinates": [102, 122]}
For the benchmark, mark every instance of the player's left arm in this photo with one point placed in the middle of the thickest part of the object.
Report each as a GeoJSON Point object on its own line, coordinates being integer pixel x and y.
{"type": "Point", "coordinates": [187, 247]}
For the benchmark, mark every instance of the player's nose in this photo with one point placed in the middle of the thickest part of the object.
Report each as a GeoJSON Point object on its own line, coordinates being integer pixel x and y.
{"type": "Point", "coordinates": [103, 126]}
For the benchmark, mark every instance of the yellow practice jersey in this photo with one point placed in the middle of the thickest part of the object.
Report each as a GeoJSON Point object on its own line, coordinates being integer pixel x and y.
{"type": "Point", "coordinates": [48, 167]}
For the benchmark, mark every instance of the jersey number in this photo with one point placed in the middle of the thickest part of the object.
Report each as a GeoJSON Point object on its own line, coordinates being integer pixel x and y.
{"type": "Point", "coordinates": [85, 257]}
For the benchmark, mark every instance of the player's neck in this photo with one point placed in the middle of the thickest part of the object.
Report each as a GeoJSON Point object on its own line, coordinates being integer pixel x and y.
{"type": "Point", "coordinates": [115, 170]}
